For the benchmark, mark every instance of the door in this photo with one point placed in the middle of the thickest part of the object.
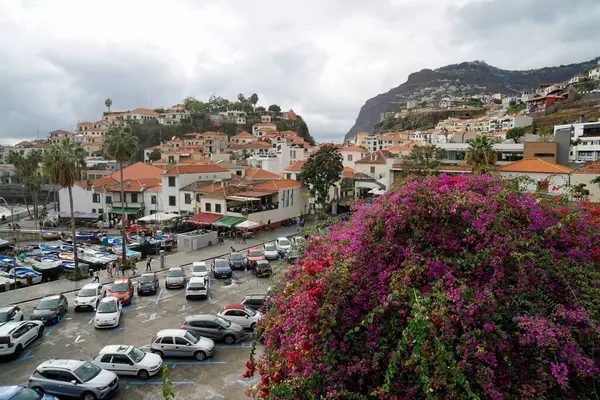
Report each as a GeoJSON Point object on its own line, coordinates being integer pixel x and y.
{"type": "Point", "coordinates": [182, 347]}
{"type": "Point", "coordinates": [31, 332]}
{"type": "Point", "coordinates": [52, 382]}
{"type": "Point", "coordinates": [213, 330]}
{"type": "Point", "coordinates": [199, 328]}
{"type": "Point", "coordinates": [121, 364]}
{"type": "Point", "coordinates": [166, 346]}
{"type": "Point", "coordinates": [236, 316]}
{"type": "Point", "coordinates": [106, 362]}
{"type": "Point", "coordinates": [68, 388]}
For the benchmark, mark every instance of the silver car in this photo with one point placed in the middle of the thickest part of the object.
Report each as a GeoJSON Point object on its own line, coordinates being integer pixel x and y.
{"type": "Point", "coordinates": [74, 378]}
{"type": "Point", "coordinates": [181, 343]}
{"type": "Point", "coordinates": [175, 278]}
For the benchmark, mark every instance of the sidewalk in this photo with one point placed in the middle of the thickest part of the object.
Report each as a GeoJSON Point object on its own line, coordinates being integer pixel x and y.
{"type": "Point", "coordinates": [171, 260]}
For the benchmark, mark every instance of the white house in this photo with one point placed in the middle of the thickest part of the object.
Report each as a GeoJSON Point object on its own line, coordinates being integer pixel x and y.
{"type": "Point", "coordinates": [375, 167]}
{"type": "Point", "coordinates": [585, 175]}
{"type": "Point", "coordinates": [266, 118]}
{"type": "Point", "coordinates": [351, 154]}
{"type": "Point", "coordinates": [576, 78]}
{"type": "Point", "coordinates": [174, 115]}
{"type": "Point", "coordinates": [515, 121]}
{"type": "Point", "coordinates": [588, 133]}
{"type": "Point", "coordinates": [594, 73]}
{"type": "Point", "coordinates": [545, 177]}
{"type": "Point", "coordinates": [269, 127]}
{"type": "Point", "coordinates": [141, 116]}
{"type": "Point", "coordinates": [84, 200]}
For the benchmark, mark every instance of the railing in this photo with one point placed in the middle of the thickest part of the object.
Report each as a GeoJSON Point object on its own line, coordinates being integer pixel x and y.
{"type": "Point", "coordinates": [252, 209]}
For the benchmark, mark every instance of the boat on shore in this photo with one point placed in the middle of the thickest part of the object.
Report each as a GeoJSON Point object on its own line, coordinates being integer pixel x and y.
{"type": "Point", "coordinates": [50, 235]}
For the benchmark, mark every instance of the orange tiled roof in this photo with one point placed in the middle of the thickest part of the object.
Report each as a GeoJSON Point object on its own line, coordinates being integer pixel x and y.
{"type": "Point", "coordinates": [379, 157]}
{"type": "Point", "coordinates": [143, 111]}
{"type": "Point", "coordinates": [535, 165]}
{"type": "Point", "coordinates": [354, 148]}
{"type": "Point", "coordinates": [394, 137]}
{"type": "Point", "coordinates": [259, 173]}
{"type": "Point", "coordinates": [288, 133]}
{"type": "Point", "coordinates": [259, 144]}
{"type": "Point", "coordinates": [199, 168]}
{"type": "Point", "coordinates": [138, 170]}
{"type": "Point", "coordinates": [243, 134]}
{"type": "Point", "coordinates": [137, 185]}
{"type": "Point", "coordinates": [592, 168]}
{"type": "Point", "coordinates": [347, 173]}
{"type": "Point", "coordinates": [396, 149]}
{"type": "Point", "coordinates": [277, 185]}
{"type": "Point", "coordinates": [296, 166]}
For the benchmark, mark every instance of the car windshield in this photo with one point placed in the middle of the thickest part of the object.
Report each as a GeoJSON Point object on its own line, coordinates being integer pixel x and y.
{"type": "Point", "coordinates": [147, 278]}
{"type": "Point", "coordinates": [136, 355]}
{"type": "Point", "coordinates": [175, 273]}
{"type": "Point", "coordinates": [236, 256]}
{"type": "Point", "coordinates": [223, 322]}
{"type": "Point", "coordinates": [255, 253]}
{"type": "Point", "coordinates": [199, 268]}
{"type": "Point", "coordinates": [86, 293]}
{"type": "Point", "coordinates": [48, 305]}
{"type": "Point", "coordinates": [221, 264]}
{"type": "Point", "coordinates": [196, 284]}
{"type": "Point", "coordinates": [27, 394]}
{"type": "Point", "coordinates": [87, 372]}
{"type": "Point", "coordinates": [4, 316]}
{"type": "Point", "coordinates": [107, 307]}
{"type": "Point", "coordinates": [270, 247]}
{"type": "Point", "coordinates": [284, 242]}
{"type": "Point", "coordinates": [120, 288]}
{"type": "Point", "coordinates": [250, 311]}
{"type": "Point", "coordinates": [190, 337]}
{"type": "Point", "coordinates": [263, 265]}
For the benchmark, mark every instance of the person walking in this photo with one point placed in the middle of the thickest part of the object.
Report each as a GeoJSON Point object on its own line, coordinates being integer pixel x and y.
{"type": "Point", "coordinates": [244, 236]}
{"type": "Point", "coordinates": [109, 269]}
{"type": "Point", "coordinates": [96, 276]}
{"type": "Point", "coordinates": [149, 264]}
{"type": "Point", "coordinates": [232, 249]}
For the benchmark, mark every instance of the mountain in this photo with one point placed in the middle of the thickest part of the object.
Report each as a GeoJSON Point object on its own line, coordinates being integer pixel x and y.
{"type": "Point", "coordinates": [461, 79]}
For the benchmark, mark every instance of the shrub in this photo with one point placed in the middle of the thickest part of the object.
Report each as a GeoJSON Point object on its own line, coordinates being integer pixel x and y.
{"type": "Point", "coordinates": [445, 288]}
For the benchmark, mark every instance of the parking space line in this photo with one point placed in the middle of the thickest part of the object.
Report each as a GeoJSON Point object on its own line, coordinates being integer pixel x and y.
{"type": "Point", "coordinates": [183, 307]}
{"type": "Point", "coordinates": [158, 297]}
{"type": "Point", "coordinates": [239, 346]}
{"type": "Point", "coordinates": [92, 319]}
{"type": "Point", "coordinates": [114, 330]}
{"type": "Point", "coordinates": [246, 383]}
{"type": "Point", "coordinates": [55, 325]}
{"type": "Point", "coordinates": [24, 357]}
{"type": "Point", "coordinates": [174, 364]}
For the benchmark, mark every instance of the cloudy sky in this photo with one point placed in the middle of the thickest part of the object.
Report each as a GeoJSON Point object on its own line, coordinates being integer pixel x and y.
{"type": "Point", "coordinates": [59, 59]}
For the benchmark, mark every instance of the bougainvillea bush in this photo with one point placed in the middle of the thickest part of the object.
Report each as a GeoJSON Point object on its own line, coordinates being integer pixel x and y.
{"type": "Point", "coordinates": [445, 288]}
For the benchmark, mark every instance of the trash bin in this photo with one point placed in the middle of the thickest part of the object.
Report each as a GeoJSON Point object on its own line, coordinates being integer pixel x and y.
{"type": "Point", "coordinates": [29, 279]}
{"type": "Point", "coordinates": [163, 261]}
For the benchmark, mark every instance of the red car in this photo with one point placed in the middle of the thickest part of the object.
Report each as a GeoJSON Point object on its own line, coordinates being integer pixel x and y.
{"type": "Point", "coordinates": [122, 289]}
{"type": "Point", "coordinates": [252, 256]}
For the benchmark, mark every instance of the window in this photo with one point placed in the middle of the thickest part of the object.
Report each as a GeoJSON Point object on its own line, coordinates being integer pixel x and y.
{"type": "Point", "coordinates": [292, 154]}
{"type": "Point", "coordinates": [238, 172]}
{"type": "Point", "coordinates": [96, 198]}
{"type": "Point", "coordinates": [172, 201]}
{"type": "Point", "coordinates": [188, 198]}
{"type": "Point", "coordinates": [153, 199]}
{"type": "Point", "coordinates": [288, 176]}
{"type": "Point", "coordinates": [171, 181]}
{"type": "Point", "coordinates": [207, 207]}
{"type": "Point", "coordinates": [349, 157]}
{"type": "Point", "coordinates": [108, 199]}
{"type": "Point", "coordinates": [121, 359]}
{"type": "Point", "coordinates": [106, 358]}
{"type": "Point", "coordinates": [134, 197]}
{"type": "Point", "coordinates": [167, 340]}
{"type": "Point", "coordinates": [539, 155]}
{"type": "Point", "coordinates": [292, 197]}
{"type": "Point", "coordinates": [218, 208]}
{"type": "Point", "coordinates": [181, 341]}
{"type": "Point", "coordinates": [372, 170]}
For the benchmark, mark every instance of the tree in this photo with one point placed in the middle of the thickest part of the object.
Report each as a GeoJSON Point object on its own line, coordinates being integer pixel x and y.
{"type": "Point", "coordinates": [241, 98]}
{"type": "Point", "coordinates": [275, 108]}
{"type": "Point", "coordinates": [121, 145]}
{"type": "Point", "coordinates": [108, 103]}
{"type": "Point", "coordinates": [166, 384]}
{"type": "Point", "coordinates": [322, 170]}
{"type": "Point", "coordinates": [217, 104]}
{"type": "Point", "coordinates": [253, 100]}
{"type": "Point", "coordinates": [480, 156]}
{"type": "Point", "coordinates": [545, 135]}
{"type": "Point", "coordinates": [260, 109]}
{"type": "Point", "coordinates": [516, 134]}
{"type": "Point", "coordinates": [27, 168]}
{"type": "Point", "coordinates": [155, 155]}
{"type": "Point", "coordinates": [64, 164]}
{"type": "Point", "coordinates": [423, 160]}
{"type": "Point", "coordinates": [197, 109]}
{"type": "Point", "coordinates": [453, 287]}
{"type": "Point", "coordinates": [579, 191]}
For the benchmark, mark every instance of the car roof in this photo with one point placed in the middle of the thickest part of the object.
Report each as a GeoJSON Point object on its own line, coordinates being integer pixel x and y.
{"type": "Point", "coordinates": [52, 297]}
{"type": "Point", "coordinates": [122, 280]}
{"type": "Point", "coordinates": [197, 279]}
{"type": "Point", "coordinates": [269, 244]}
{"type": "Point", "coordinates": [108, 299]}
{"type": "Point", "coordinates": [253, 249]}
{"type": "Point", "coordinates": [171, 332]}
{"type": "Point", "coordinates": [91, 286]}
{"type": "Point", "coordinates": [220, 259]}
{"type": "Point", "coordinates": [6, 308]}
{"type": "Point", "coordinates": [149, 274]}
{"type": "Point", "coordinates": [61, 363]}
{"type": "Point", "coordinates": [196, 263]}
{"type": "Point", "coordinates": [116, 348]}
{"type": "Point", "coordinates": [200, 317]}
{"type": "Point", "coordinates": [234, 307]}
{"type": "Point", "coordinates": [7, 327]}
{"type": "Point", "coordinates": [175, 268]}
{"type": "Point", "coordinates": [255, 296]}
{"type": "Point", "coordinates": [6, 392]}
{"type": "Point", "coordinates": [262, 262]}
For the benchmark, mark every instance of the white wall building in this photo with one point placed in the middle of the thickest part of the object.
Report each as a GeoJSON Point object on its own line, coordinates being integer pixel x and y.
{"type": "Point", "coordinates": [594, 73]}
{"type": "Point", "coordinates": [545, 177]}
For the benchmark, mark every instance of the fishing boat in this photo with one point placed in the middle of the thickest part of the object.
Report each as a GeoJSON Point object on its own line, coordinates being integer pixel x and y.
{"type": "Point", "coordinates": [130, 254]}
{"type": "Point", "coordinates": [66, 256]}
{"type": "Point", "coordinates": [89, 236]}
{"type": "Point", "coordinates": [69, 266]}
{"type": "Point", "coordinates": [20, 274]}
{"type": "Point", "coordinates": [6, 243]}
{"type": "Point", "coordinates": [5, 260]}
{"type": "Point", "coordinates": [50, 235]}
{"type": "Point", "coordinates": [44, 246]}
{"type": "Point", "coordinates": [110, 241]}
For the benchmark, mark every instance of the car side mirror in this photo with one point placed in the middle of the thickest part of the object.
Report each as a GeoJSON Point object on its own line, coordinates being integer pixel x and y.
{"type": "Point", "coordinates": [247, 316]}
{"type": "Point", "coordinates": [188, 344]}
{"type": "Point", "coordinates": [74, 382]}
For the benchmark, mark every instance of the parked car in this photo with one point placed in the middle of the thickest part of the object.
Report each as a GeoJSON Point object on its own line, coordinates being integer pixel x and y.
{"type": "Point", "coordinates": [263, 268]}
{"type": "Point", "coordinates": [241, 315]}
{"type": "Point", "coordinates": [74, 378]}
{"type": "Point", "coordinates": [148, 283]}
{"type": "Point", "coordinates": [292, 256]}
{"type": "Point", "coordinates": [89, 296]}
{"type": "Point", "coordinates": [16, 335]}
{"type": "Point", "coordinates": [237, 261]}
{"type": "Point", "coordinates": [283, 245]}
{"type": "Point", "coordinates": [255, 301]}
{"type": "Point", "coordinates": [122, 289]}
{"type": "Point", "coordinates": [181, 343]}
{"type": "Point", "coordinates": [270, 251]}
{"type": "Point", "coordinates": [128, 360]}
{"type": "Point", "coordinates": [108, 314]}
{"type": "Point", "coordinates": [213, 327]}
{"type": "Point", "coordinates": [22, 393]}
{"type": "Point", "coordinates": [197, 287]}
{"type": "Point", "coordinates": [11, 313]}
{"type": "Point", "coordinates": [199, 268]}
{"type": "Point", "coordinates": [175, 278]}
{"type": "Point", "coordinates": [298, 242]}
{"type": "Point", "coordinates": [50, 309]}
{"type": "Point", "coordinates": [221, 268]}
{"type": "Point", "coordinates": [252, 256]}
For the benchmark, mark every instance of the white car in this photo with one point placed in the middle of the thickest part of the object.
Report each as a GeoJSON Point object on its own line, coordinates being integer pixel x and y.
{"type": "Point", "coordinates": [89, 296]}
{"type": "Point", "coordinates": [199, 268]}
{"type": "Point", "coordinates": [11, 313]}
{"type": "Point", "coordinates": [283, 245]}
{"type": "Point", "coordinates": [241, 315]}
{"type": "Point", "coordinates": [197, 287]}
{"type": "Point", "coordinates": [108, 314]}
{"type": "Point", "coordinates": [128, 360]}
{"type": "Point", "coordinates": [270, 251]}
{"type": "Point", "coordinates": [15, 336]}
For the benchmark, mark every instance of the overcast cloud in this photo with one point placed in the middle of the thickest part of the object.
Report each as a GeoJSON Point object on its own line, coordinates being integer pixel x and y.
{"type": "Point", "coordinates": [59, 59]}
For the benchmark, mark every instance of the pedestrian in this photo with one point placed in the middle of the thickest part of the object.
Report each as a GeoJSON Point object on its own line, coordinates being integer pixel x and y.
{"type": "Point", "coordinates": [109, 269]}
{"type": "Point", "coordinates": [269, 228]}
{"type": "Point", "coordinates": [244, 236]}
{"type": "Point", "coordinates": [149, 264]}
{"type": "Point", "coordinates": [96, 276]}
{"type": "Point", "coordinates": [122, 270]}
{"type": "Point", "coordinates": [134, 270]}
{"type": "Point", "coordinates": [232, 249]}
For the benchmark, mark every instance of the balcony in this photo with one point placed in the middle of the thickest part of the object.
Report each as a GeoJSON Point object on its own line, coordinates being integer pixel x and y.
{"type": "Point", "coordinates": [251, 209]}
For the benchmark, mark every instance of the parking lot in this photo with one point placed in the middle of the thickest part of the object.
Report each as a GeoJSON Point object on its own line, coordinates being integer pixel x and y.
{"type": "Point", "coordinates": [219, 377]}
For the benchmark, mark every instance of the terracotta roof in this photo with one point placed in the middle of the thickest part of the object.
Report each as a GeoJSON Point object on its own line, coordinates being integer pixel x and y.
{"type": "Point", "coordinates": [354, 148]}
{"type": "Point", "coordinates": [260, 174]}
{"type": "Point", "coordinates": [137, 185]}
{"type": "Point", "coordinates": [296, 166]}
{"type": "Point", "coordinates": [589, 168]}
{"type": "Point", "coordinates": [348, 173]}
{"type": "Point", "coordinates": [243, 134]}
{"type": "Point", "coordinates": [199, 168]}
{"type": "Point", "coordinates": [85, 123]}
{"type": "Point", "coordinates": [138, 170]}
{"type": "Point", "coordinates": [535, 165]}
{"type": "Point", "coordinates": [394, 137]}
{"type": "Point", "coordinates": [379, 157]}
{"type": "Point", "coordinates": [266, 124]}
{"type": "Point", "coordinates": [278, 185]}
{"type": "Point", "coordinates": [288, 133]}
{"type": "Point", "coordinates": [259, 144]}
{"type": "Point", "coordinates": [550, 96]}
{"type": "Point", "coordinates": [397, 149]}
{"type": "Point", "coordinates": [143, 111]}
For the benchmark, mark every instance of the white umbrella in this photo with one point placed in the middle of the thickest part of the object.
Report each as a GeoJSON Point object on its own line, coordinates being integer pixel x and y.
{"type": "Point", "coordinates": [159, 216]}
{"type": "Point", "coordinates": [247, 225]}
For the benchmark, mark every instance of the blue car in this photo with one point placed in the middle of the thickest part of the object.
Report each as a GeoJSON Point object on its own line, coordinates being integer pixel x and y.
{"type": "Point", "coordinates": [22, 393]}
{"type": "Point", "coordinates": [222, 269]}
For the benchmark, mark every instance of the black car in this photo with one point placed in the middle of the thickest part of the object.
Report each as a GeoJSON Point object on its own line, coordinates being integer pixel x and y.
{"type": "Point", "coordinates": [221, 268]}
{"type": "Point", "coordinates": [50, 309]}
{"type": "Point", "coordinates": [237, 261]}
{"type": "Point", "coordinates": [262, 268]}
{"type": "Point", "coordinates": [148, 283]}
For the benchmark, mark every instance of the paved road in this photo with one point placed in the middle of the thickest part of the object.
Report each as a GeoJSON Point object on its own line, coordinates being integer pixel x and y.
{"type": "Point", "coordinates": [218, 378]}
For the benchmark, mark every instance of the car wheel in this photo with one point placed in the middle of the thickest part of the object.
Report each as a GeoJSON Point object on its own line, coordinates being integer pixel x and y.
{"type": "Point", "coordinates": [253, 325]}
{"type": "Point", "coordinates": [18, 351]}
{"type": "Point", "coordinates": [200, 355]}
{"type": "Point", "coordinates": [229, 339]}
{"type": "Point", "coordinates": [143, 374]}
{"type": "Point", "coordinates": [88, 396]}
{"type": "Point", "coordinates": [40, 332]}
{"type": "Point", "coordinates": [157, 352]}
{"type": "Point", "coordinates": [21, 318]}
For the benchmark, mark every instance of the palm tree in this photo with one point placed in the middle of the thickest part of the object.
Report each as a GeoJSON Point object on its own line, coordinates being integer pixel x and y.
{"type": "Point", "coordinates": [64, 164]}
{"type": "Point", "coordinates": [108, 103]}
{"type": "Point", "coordinates": [121, 145]}
{"type": "Point", "coordinates": [481, 157]}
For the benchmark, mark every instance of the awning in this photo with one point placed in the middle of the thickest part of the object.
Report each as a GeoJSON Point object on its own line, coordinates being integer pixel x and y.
{"type": "Point", "coordinates": [228, 221]}
{"type": "Point", "coordinates": [252, 193]}
{"type": "Point", "coordinates": [247, 225]}
{"type": "Point", "coordinates": [240, 198]}
{"type": "Point", "coordinates": [117, 210]}
{"type": "Point", "coordinates": [159, 216]}
{"type": "Point", "coordinates": [203, 218]}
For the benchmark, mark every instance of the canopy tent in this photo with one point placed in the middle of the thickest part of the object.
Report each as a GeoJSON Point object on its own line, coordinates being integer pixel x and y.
{"type": "Point", "coordinates": [159, 217]}
{"type": "Point", "coordinates": [247, 225]}
{"type": "Point", "coordinates": [203, 218]}
{"type": "Point", "coordinates": [118, 210]}
{"type": "Point", "coordinates": [254, 193]}
{"type": "Point", "coordinates": [241, 198]}
{"type": "Point", "coordinates": [228, 221]}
